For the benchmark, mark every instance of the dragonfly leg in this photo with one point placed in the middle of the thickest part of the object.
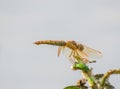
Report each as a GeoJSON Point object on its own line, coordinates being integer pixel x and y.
{"type": "Point", "coordinates": [71, 57]}
{"type": "Point", "coordinates": [85, 60]}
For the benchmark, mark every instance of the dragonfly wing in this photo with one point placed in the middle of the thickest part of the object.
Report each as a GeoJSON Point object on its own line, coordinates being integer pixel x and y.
{"type": "Point", "coordinates": [92, 53]}
{"type": "Point", "coordinates": [82, 55]}
{"type": "Point", "coordinates": [59, 50]}
{"type": "Point", "coordinates": [69, 53]}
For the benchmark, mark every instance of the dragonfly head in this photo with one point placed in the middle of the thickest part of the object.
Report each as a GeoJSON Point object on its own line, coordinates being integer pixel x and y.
{"type": "Point", "coordinates": [80, 47]}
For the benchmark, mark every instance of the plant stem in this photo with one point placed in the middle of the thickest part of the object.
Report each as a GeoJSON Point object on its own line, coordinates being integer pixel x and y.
{"type": "Point", "coordinates": [107, 75]}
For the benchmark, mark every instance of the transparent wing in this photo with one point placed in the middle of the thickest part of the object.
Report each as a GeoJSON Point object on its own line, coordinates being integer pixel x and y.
{"type": "Point", "coordinates": [69, 53]}
{"type": "Point", "coordinates": [92, 53]}
{"type": "Point", "coordinates": [82, 54]}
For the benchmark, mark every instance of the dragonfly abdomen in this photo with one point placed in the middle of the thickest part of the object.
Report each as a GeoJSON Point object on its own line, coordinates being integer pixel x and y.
{"type": "Point", "coordinates": [51, 42]}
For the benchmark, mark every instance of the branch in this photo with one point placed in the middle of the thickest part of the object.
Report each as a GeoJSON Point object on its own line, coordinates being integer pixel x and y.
{"type": "Point", "coordinates": [80, 85]}
{"type": "Point", "coordinates": [107, 75]}
{"type": "Point", "coordinates": [87, 73]}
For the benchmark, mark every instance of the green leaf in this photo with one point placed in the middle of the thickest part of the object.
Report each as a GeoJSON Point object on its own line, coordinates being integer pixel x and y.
{"type": "Point", "coordinates": [76, 87]}
{"type": "Point", "coordinates": [72, 87]}
{"type": "Point", "coordinates": [80, 65]}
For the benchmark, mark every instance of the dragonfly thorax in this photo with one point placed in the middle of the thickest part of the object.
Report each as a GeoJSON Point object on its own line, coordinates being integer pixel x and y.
{"type": "Point", "coordinates": [72, 45]}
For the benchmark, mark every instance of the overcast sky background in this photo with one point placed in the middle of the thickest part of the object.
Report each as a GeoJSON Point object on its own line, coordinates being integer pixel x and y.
{"type": "Point", "coordinates": [24, 65]}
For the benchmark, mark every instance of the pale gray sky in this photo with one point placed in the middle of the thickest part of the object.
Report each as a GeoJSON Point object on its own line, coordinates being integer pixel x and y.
{"type": "Point", "coordinates": [24, 65]}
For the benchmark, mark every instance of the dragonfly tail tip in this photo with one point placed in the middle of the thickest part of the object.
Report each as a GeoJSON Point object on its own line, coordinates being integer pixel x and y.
{"type": "Point", "coordinates": [37, 43]}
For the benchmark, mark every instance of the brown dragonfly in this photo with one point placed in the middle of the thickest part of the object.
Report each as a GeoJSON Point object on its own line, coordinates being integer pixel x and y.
{"type": "Point", "coordinates": [72, 49]}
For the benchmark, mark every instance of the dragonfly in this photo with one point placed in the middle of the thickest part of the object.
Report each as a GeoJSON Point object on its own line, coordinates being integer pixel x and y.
{"type": "Point", "coordinates": [72, 49]}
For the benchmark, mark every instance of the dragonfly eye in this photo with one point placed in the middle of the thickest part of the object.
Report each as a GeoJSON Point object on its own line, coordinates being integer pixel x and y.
{"type": "Point", "coordinates": [80, 47]}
